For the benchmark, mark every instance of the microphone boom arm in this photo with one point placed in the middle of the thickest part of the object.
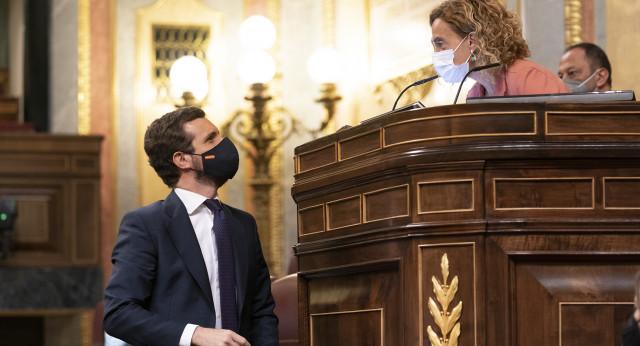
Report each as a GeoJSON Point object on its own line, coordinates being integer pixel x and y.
{"type": "Point", "coordinates": [422, 81]}
{"type": "Point", "coordinates": [475, 69]}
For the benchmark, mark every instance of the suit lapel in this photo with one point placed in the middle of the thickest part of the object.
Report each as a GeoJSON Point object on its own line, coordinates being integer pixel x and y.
{"type": "Point", "coordinates": [241, 257]}
{"type": "Point", "coordinates": [184, 238]}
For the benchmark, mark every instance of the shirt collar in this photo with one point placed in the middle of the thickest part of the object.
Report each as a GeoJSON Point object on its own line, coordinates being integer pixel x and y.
{"type": "Point", "coordinates": [191, 200]}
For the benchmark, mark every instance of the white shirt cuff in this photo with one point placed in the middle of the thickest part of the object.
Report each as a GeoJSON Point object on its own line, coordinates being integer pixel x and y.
{"type": "Point", "coordinates": [187, 334]}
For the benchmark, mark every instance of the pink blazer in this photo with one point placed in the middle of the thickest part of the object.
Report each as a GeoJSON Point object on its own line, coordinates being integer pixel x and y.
{"type": "Point", "coordinates": [523, 78]}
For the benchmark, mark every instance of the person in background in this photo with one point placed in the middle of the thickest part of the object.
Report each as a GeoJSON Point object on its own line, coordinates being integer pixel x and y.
{"type": "Point", "coordinates": [631, 331]}
{"type": "Point", "coordinates": [472, 33]}
{"type": "Point", "coordinates": [189, 270]}
{"type": "Point", "coordinates": [585, 67]}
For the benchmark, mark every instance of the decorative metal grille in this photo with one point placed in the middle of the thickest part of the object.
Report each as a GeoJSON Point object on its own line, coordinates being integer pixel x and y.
{"type": "Point", "coordinates": [171, 43]}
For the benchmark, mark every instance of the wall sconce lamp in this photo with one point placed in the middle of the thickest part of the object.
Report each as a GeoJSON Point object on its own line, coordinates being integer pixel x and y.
{"type": "Point", "coordinates": [256, 68]}
{"type": "Point", "coordinates": [325, 67]}
{"type": "Point", "coordinates": [188, 76]}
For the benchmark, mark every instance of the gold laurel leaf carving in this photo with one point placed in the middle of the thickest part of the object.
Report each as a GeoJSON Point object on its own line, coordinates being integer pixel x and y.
{"type": "Point", "coordinates": [457, 311]}
{"type": "Point", "coordinates": [435, 312]}
{"type": "Point", "coordinates": [440, 291]}
{"type": "Point", "coordinates": [455, 333]}
{"type": "Point", "coordinates": [447, 321]}
{"type": "Point", "coordinates": [444, 264]}
{"type": "Point", "coordinates": [453, 289]}
{"type": "Point", "coordinates": [433, 337]}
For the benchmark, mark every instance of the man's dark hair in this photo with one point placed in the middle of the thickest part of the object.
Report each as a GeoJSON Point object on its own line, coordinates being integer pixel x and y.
{"type": "Point", "coordinates": [164, 137]}
{"type": "Point", "coordinates": [596, 56]}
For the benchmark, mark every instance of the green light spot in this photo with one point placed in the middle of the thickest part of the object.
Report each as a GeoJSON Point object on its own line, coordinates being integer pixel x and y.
{"type": "Point", "coordinates": [3, 217]}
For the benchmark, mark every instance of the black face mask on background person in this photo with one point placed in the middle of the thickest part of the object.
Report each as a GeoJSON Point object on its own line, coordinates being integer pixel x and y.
{"type": "Point", "coordinates": [221, 161]}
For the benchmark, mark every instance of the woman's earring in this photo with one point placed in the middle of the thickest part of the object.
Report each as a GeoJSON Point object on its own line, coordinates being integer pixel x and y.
{"type": "Point", "coordinates": [473, 57]}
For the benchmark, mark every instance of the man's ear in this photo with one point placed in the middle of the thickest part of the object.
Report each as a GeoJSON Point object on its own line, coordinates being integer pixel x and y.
{"type": "Point", "coordinates": [601, 77]}
{"type": "Point", "coordinates": [181, 161]}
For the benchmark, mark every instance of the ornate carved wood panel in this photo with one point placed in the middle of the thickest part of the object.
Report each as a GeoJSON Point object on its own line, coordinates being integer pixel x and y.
{"type": "Point", "coordinates": [496, 224]}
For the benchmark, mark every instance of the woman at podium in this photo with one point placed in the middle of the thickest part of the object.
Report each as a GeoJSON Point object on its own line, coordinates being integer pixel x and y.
{"type": "Point", "coordinates": [472, 34]}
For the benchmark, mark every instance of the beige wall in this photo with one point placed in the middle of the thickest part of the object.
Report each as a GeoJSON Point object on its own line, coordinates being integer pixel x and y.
{"type": "Point", "coordinates": [623, 32]}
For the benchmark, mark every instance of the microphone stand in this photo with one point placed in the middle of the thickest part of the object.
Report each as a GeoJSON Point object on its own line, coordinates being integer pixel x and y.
{"type": "Point", "coordinates": [422, 81]}
{"type": "Point", "coordinates": [475, 69]}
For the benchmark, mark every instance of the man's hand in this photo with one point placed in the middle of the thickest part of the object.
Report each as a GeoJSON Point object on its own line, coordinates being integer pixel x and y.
{"type": "Point", "coordinates": [214, 337]}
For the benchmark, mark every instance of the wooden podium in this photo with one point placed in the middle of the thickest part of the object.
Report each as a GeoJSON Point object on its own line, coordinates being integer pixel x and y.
{"type": "Point", "coordinates": [513, 224]}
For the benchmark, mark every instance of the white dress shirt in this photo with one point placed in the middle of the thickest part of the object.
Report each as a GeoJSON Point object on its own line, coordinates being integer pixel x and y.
{"type": "Point", "coordinates": [202, 220]}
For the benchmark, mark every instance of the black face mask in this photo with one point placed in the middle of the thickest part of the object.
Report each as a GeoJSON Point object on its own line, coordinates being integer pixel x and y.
{"type": "Point", "coordinates": [222, 160]}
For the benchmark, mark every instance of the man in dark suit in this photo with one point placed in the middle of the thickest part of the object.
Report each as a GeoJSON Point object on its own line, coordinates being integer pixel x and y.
{"type": "Point", "coordinates": [176, 262]}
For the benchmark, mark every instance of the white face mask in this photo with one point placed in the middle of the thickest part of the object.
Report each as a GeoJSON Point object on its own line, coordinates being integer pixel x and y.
{"type": "Point", "coordinates": [446, 68]}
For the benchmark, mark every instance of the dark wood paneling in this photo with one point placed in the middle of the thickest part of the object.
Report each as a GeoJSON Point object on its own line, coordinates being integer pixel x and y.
{"type": "Point", "coordinates": [347, 328]}
{"type": "Point", "coordinates": [577, 321]}
{"type": "Point", "coordinates": [359, 145]}
{"type": "Point", "coordinates": [55, 180]}
{"type": "Point", "coordinates": [460, 125]}
{"type": "Point", "coordinates": [39, 227]}
{"type": "Point", "coordinates": [27, 163]}
{"type": "Point", "coordinates": [544, 193]}
{"type": "Point", "coordinates": [547, 292]}
{"type": "Point", "coordinates": [445, 196]}
{"type": "Point", "coordinates": [535, 205]}
{"type": "Point", "coordinates": [311, 220]}
{"type": "Point", "coordinates": [621, 193]}
{"type": "Point", "coordinates": [386, 203]}
{"type": "Point", "coordinates": [87, 226]}
{"type": "Point", "coordinates": [589, 123]}
{"type": "Point", "coordinates": [354, 309]}
{"type": "Point", "coordinates": [317, 158]}
{"type": "Point", "coordinates": [344, 212]}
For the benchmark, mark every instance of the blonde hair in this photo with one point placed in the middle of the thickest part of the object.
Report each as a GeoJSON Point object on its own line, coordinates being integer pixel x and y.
{"type": "Point", "coordinates": [498, 31]}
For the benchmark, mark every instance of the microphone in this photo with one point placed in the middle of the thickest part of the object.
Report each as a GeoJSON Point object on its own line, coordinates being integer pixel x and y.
{"type": "Point", "coordinates": [422, 81]}
{"type": "Point", "coordinates": [475, 69]}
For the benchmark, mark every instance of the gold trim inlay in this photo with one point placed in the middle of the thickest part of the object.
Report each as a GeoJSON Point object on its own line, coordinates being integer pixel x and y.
{"type": "Point", "coordinates": [364, 204]}
{"type": "Point", "coordinates": [604, 193]}
{"type": "Point", "coordinates": [473, 196]}
{"type": "Point", "coordinates": [380, 310]}
{"type": "Point", "coordinates": [560, 304]}
{"type": "Point", "coordinates": [86, 324]}
{"type": "Point", "coordinates": [328, 224]}
{"type": "Point", "coordinates": [324, 221]}
{"type": "Point", "coordinates": [535, 128]}
{"type": "Point", "coordinates": [339, 150]}
{"type": "Point", "coordinates": [593, 193]}
{"type": "Point", "coordinates": [572, 22]}
{"type": "Point", "coordinates": [84, 67]}
{"type": "Point", "coordinates": [335, 157]}
{"type": "Point", "coordinates": [448, 322]}
{"type": "Point", "coordinates": [546, 123]}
